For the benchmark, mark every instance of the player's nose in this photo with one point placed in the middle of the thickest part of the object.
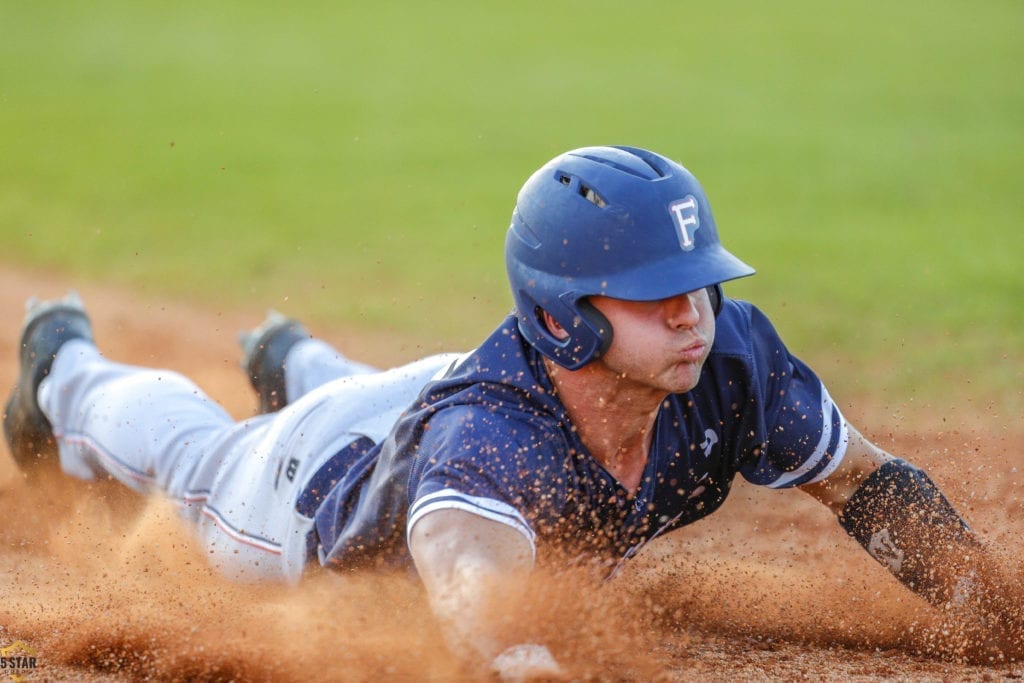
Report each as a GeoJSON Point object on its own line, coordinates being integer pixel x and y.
{"type": "Point", "coordinates": [681, 311]}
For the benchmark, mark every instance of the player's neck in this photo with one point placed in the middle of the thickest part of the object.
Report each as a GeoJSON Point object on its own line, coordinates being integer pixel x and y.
{"type": "Point", "coordinates": [613, 419]}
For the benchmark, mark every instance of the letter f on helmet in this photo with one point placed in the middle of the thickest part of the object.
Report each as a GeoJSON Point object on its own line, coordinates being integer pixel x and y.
{"type": "Point", "coordinates": [687, 220]}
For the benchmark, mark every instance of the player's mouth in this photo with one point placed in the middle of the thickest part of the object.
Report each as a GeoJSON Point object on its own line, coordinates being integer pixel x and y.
{"type": "Point", "coordinates": [694, 353]}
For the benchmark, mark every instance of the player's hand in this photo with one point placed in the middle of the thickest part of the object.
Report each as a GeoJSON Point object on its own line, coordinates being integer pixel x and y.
{"type": "Point", "coordinates": [989, 616]}
{"type": "Point", "coordinates": [1005, 633]}
{"type": "Point", "coordinates": [527, 662]}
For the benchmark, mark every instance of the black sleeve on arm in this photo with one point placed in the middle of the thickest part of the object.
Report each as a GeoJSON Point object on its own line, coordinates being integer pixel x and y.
{"type": "Point", "coordinates": [902, 519]}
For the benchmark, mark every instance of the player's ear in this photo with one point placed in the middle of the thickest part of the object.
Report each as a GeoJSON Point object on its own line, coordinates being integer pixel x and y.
{"type": "Point", "coordinates": [554, 327]}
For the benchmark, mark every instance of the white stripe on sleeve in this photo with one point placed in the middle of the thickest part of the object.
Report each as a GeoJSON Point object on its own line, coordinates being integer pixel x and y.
{"type": "Point", "coordinates": [494, 510]}
{"type": "Point", "coordinates": [821, 450]}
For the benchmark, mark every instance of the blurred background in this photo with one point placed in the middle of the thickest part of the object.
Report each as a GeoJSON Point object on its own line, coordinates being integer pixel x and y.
{"type": "Point", "coordinates": [356, 164]}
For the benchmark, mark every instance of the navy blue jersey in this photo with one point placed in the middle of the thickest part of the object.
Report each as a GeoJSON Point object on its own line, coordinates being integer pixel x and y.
{"type": "Point", "coordinates": [491, 438]}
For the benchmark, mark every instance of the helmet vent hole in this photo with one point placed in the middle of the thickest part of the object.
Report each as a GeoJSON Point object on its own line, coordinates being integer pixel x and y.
{"type": "Point", "coordinates": [564, 179]}
{"type": "Point", "coordinates": [591, 196]}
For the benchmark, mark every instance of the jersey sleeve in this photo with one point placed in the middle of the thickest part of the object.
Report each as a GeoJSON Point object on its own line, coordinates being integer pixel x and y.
{"type": "Point", "coordinates": [805, 434]}
{"type": "Point", "coordinates": [487, 463]}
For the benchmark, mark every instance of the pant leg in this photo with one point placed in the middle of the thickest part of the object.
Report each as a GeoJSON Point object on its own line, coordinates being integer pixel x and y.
{"type": "Point", "coordinates": [311, 363]}
{"type": "Point", "coordinates": [238, 482]}
{"type": "Point", "coordinates": [156, 431]}
{"type": "Point", "coordinates": [148, 428]}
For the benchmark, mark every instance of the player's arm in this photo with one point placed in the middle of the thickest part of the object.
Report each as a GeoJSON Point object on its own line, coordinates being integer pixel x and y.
{"type": "Point", "coordinates": [900, 517]}
{"type": "Point", "coordinates": [862, 459]}
{"type": "Point", "coordinates": [473, 569]}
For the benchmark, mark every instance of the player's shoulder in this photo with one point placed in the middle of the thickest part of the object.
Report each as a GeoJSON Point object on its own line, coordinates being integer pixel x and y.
{"type": "Point", "coordinates": [513, 426]}
{"type": "Point", "coordinates": [501, 377]}
{"type": "Point", "coordinates": [502, 365]}
{"type": "Point", "coordinates": [744, 332]}
{"type": "Point", "coordinates": [736, 325]}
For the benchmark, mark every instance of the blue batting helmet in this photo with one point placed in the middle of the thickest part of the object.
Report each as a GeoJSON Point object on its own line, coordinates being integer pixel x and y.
{"type": "Point", "coordinates": [621, 222]}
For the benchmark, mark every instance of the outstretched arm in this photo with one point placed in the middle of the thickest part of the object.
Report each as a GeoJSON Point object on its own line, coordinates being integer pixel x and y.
{"type": "Point", "coordinates": [473, 570]}
{"type": "Point", "coordinates": [900, 517]}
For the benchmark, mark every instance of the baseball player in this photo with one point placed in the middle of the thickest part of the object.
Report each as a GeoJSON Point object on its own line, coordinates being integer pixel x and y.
{"type": "Point", "coordinates": [616, 403]}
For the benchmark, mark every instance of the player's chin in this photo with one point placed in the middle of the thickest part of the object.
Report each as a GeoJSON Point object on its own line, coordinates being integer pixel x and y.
{"type": "Point", "coordinates": [682, 377]}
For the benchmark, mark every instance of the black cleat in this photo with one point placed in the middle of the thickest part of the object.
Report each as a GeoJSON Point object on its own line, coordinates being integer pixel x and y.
{"type": "Point", "coordinates": [263, 352]}
{"type": "Point", "coordinates": [48, 325]}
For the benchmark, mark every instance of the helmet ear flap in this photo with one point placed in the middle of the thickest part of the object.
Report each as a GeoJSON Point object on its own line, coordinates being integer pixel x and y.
{"type": "Point", "coordinates": [716, 296]}
{"type": "Point", "coordinates": [597, 326]}
{"type": "Point", "coordinates": [589, 333]}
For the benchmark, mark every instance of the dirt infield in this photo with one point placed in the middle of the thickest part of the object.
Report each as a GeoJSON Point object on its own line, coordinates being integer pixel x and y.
{"type": "Point", "coordinates": [100, 585]}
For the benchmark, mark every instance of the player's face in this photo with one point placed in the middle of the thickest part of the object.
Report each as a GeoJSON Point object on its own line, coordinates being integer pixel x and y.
{"type": "Point", "coordinates": [661, 344]}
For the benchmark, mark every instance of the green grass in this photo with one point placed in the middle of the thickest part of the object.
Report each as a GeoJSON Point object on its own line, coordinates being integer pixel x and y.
{"type": "Point", "coordinates": [360, 160]}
